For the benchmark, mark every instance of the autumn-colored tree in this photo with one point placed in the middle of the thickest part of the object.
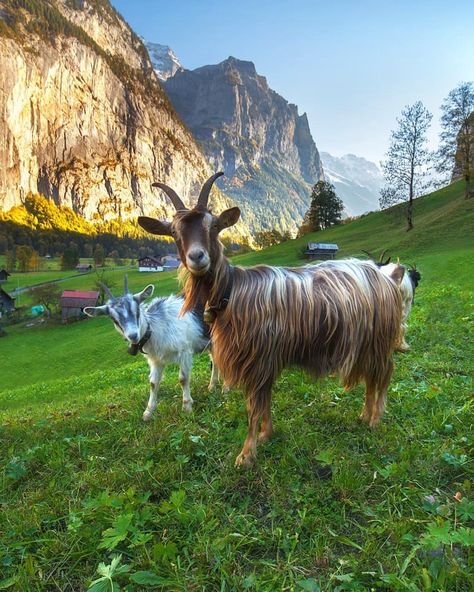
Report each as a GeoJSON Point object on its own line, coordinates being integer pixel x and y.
{"type": "Point", "coordinates": [24, 254]}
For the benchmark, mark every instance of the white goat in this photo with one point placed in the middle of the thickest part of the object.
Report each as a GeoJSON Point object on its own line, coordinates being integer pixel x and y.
{"type": "Point", "coordinates": [408, 285]}
{"type": "Point", "coordinates": [160, 334]}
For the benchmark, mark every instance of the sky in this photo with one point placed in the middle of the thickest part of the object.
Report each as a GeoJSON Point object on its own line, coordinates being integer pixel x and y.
{"type": "Point", "coordinates": [351, 65]}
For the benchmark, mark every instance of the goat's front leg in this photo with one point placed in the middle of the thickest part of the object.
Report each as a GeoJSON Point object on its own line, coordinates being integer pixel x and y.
{"type": "Point", "coordinates": [214, 374]}
{"type": "Point", "coordinates": [185, 365]}
{"type": "Point", "coordinates": [156, 373]}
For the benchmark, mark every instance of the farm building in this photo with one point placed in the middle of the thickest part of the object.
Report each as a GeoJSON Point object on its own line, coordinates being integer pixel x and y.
{"type": "Point", "coordinates": [321, 251]}
{"type": "Point", "coordinates": [4, 275]}
{"type": "Point", "coordinates": [170, 262]}
{"type": "Point", "coordinates": [149, 263]}
{"type": "Point", "coordinates": [7, 302]}
{"type": "Point", "coordinates": [84, 267]}
{"type": "Point", "coordinates": [74, 301]}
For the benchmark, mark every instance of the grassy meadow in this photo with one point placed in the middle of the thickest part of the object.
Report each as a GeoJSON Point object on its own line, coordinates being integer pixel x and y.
{"type": "Point", "coordinates": [92, 498]}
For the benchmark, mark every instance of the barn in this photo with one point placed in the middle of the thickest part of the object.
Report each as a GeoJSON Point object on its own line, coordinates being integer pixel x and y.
{"type": "Point", "coordinates": [149, 263]}
{"type": "Point", "coordinates": [73, 303]}
{"type": "Point", "coordinates": [321, 251]}
{"type": "Point", "coordinates": [84, 267]}
{"type": "Point", "coordinates": [7, 302]}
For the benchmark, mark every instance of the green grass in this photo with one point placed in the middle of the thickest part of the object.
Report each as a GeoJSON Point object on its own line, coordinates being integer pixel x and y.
{"type": "Point", "coordinates": [83, 479]}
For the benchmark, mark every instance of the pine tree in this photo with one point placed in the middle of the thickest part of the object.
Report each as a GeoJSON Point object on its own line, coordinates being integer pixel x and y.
{"type": "Point", "coordinates": [325, 208]}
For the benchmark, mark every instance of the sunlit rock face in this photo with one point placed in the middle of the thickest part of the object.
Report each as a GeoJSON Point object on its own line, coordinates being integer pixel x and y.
{"type": "Point", "coordinates": [84, 120]}
{"type": "Point", "coordinates": [255, 136]}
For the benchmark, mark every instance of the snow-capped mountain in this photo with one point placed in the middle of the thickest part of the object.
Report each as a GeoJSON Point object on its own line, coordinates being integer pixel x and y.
{"type": "Point", "coordinates": [164, 60]}
{"type": "Point", "coordinates": [357, 181]}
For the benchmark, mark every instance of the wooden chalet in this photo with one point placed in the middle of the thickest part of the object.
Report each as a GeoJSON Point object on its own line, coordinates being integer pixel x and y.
{"type": "Point", "coordinates": [84, 267]}
{"type": "Point", "coordinates": [73, 303]}
{"type": "Point", "coordinates": [321, 251]}
{"type": "Point", "coordinates": [149, 263]}
{"type": "Point", "coordinates": [170, 262]}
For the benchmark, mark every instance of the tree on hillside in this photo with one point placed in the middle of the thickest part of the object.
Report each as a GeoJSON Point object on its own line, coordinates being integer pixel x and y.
{"type": "Point", "coordinates": [407, 159]}
{"type": "Point", "coordinates": [48, 295]}
{"type": "Point", "coordinates": [99, 255]}
{"type": "Point", "coordinates": [69, 258]}
{"type": "Point", "coordinates": [325, 208]}
{"type": "Point", "coordinates": [10, 259]}
{"type": "Point", "coordinates": [456, 152]}
{"type": "Point", "coordinates": [24, 253]}
{"type": "Point", "coordinates": [267, 238]}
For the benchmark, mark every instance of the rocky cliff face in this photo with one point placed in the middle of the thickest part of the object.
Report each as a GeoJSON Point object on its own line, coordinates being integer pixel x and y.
{"type": "Point", "coordinates": [255, 136]}
{"type": "Point", "coordinates": [83, 119]}
{"type": "Point", "coordinates": [357, 181]}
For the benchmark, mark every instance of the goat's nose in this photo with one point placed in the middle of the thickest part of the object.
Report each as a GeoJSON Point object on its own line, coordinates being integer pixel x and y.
{"type": "Point", "coordinates": [196, 255]}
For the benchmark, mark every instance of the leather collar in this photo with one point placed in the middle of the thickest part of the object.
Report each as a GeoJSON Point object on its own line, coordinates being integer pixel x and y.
{"type": "Point", "coordinates": [134, 348]}
{"type": "Point", "coordinates": [211, 310]}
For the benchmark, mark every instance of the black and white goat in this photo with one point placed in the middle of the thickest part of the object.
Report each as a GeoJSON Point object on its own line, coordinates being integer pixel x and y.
{"type": "Point", "coordinates": [160, 334]}
{"type": "Point", "coordinates": [408, 285]}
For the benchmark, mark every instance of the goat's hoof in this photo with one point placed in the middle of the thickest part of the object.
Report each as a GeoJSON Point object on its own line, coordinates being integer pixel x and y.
{"type": "Point", "coordinates": [147, 415]}
{"type": "Point", "coordinates": [374, 422]}
{"type": "Point", "coordinates": [244, 460]}
{"type": "Point", "coordinates": [263, 437]}
{"type": "Point", "coordinates": [211, 387]}
{"type": "Point", "coordinates": [404, 348]}
{"type": "Point", "coordinates": [188, 407]}
{"type": "Point", "coordinates": [364, 416]}
{"type": "Point", "coordinates": [225, 390]}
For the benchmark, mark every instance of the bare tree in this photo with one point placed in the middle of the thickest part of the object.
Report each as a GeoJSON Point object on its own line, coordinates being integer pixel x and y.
{"type": "Point", "coordinates": [407, 159]}
{"type": "Point", "coordinates": [455, 155]}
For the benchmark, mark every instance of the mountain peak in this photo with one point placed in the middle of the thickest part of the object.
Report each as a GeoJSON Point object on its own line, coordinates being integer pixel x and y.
{"type": "Point", "coordinates": [164, 60]}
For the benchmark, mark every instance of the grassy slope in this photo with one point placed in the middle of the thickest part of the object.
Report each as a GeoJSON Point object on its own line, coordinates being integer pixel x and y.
{"type": "Point", "coordinates": [77, 457]}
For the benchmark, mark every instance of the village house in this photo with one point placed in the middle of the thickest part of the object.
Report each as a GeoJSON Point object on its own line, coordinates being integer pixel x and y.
{"type": "Point", "coordinates": [74, 301]}
{"type": "Point", "coordinates": [84, 267]}
{"type": "Point", "coordinates": [170, 262]}
{"type": "Point", "coordinates": [149, 263]}
{"type": "Point", "coordinates": [7, 302]}
{"type": "Point", "coordinates": [321, 251]}
{"type": "Point", "coordinates": [4, 275]}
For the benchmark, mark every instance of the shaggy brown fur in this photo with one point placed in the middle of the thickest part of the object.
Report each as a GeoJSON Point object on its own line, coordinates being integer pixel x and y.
{"type": "Point", "coordinates": [337, 317]}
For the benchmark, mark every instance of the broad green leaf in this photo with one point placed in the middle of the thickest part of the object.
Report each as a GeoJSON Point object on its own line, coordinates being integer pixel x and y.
{"type": "Point", "coordinates": [4, 584]}
{"type": "Point", "coordinates": [310, 585]}
{"type": "Point", "coordinates": [146, 577]}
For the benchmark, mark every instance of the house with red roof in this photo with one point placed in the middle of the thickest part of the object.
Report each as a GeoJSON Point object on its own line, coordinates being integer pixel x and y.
{"type": "Point", "coordinates": [73, 303]}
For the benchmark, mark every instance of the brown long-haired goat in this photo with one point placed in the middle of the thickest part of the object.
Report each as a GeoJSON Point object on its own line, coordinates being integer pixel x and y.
{"type": "Point", "coordinates": [336, 317]}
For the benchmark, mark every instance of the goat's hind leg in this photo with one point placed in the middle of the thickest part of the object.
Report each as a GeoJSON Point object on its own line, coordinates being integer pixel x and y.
{"type": "Point", "coordinates": [156, 373]}
{"type": "Point", "coordinates": [257, 404]}
{"type": "Point", "coordinates": [266, 428]}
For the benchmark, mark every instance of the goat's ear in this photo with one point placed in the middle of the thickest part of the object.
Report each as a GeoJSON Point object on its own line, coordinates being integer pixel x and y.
{"type": "Point", "coordinates": [228, 218]}
{"type": "Point", "coordinates": [144, 294]}
{"type": "Point", "coordinates": [397, 274]}
{"type": "Point", "coordinates": [96, 311]}
{"type": "Point", "coordinates": [155, 226]}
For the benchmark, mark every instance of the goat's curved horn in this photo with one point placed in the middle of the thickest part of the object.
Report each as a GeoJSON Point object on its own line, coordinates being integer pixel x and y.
{"type": "Point", "coordinates": [125, 284]}
{"type": "Point", "coordinates": [206, 188]}
{"type": "Point", "coordinates": [171, 193]}
{"type": "Point", "coordinates": [107, 292]}
{"type": "Point", "coordinates": [369, 255]}
{"type": "Point", "coordinates": [382, 256]}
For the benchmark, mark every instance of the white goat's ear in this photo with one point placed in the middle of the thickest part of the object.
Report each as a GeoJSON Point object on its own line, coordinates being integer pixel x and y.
{"type": "Point", "coordinates": [397, 274]}
{"type": "Point", "coordinates": [228, 218]}
{"type": "Point", "coordinates": [144, 294]}
{"type": "Point", "coordinates": [96, 311]}
{"type": "Point", "coordinates": [153, 226]}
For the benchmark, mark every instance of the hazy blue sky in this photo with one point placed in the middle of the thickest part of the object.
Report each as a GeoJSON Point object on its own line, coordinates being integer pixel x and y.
{"type": "Point", "coordinates": [351, 65]}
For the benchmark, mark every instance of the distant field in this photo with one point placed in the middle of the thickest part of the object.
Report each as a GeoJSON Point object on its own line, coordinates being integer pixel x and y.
{"type": "Point", "coordinates": [331, 506]}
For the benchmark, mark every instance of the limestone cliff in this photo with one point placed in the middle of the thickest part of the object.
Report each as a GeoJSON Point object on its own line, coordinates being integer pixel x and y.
{"type": "Point", "coordinates": [255, 136]}
{"type": "Point", "coordinates": [83, 118]}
